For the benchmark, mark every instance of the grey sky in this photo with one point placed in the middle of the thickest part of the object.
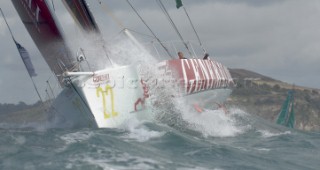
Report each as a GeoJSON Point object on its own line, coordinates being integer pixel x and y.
{"type": "Point", "coordinates": [278, 38]}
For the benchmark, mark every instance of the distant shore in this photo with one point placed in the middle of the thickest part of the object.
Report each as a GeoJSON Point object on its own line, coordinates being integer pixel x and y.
{"type": "Point", "coordinates": [264, 96]}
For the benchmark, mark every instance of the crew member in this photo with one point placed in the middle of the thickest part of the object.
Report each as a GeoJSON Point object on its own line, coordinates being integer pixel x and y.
{"type": "Point", "coordinates": [180, 54]}
{"type": "Point", "coordinates": [206, 55]}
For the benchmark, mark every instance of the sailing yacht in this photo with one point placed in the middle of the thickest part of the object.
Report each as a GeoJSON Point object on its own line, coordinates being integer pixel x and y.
{"type": "Point", "coordinates": [107, 98]}
{"type": "Point", "coordinates": [286, 115]}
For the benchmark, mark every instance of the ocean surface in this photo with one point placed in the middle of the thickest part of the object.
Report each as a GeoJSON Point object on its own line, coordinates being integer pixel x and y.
{"type": "Point", "coordinates": [210, 140]}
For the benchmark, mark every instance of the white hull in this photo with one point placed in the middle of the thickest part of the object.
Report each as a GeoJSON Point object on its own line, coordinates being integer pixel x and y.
{"type": "Point", "coordinates": [108, 98]}
{"type": "Point", "coordinates": [68, 110]}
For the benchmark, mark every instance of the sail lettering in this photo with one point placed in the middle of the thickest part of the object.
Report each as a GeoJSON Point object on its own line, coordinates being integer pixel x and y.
{"type": "Point", "coordinates": [205, 74]}
{"type": "Point", "coordinates": [188, 77]}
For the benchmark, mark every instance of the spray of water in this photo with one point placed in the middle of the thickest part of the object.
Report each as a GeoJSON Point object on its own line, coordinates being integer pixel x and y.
{"type": "Point", "coordinates": [268, 134]}
{"type": "Point", "coordinates": [166, 108]}
{"type": "Point", "coordinates": [213, 123]}
{"type": "Point", "coordinates": [124, 51]}
{"type": "Point", "coordinates": [92, 47]}
{"type": "Point", "coordinates": [170, 110]}
{"type": "Point", "coordinates": [138, 131]}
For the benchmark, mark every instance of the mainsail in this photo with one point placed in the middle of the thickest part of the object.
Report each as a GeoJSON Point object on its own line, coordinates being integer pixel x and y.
{"type": "Point", "coordinates": [79, 9]}
{"type": "Point", "coordinates": [42, 26]}
{"type": "Point", "coordinates": [286, 115]}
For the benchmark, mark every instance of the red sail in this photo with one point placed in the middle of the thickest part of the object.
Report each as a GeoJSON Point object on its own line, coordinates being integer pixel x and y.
{"type": "Point", "coordinates": [43, 28]}
{"type": "Point", "coordinates": [80, 11]}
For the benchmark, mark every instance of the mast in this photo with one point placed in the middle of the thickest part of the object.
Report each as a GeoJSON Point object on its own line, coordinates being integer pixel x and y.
{"type": "Point", "coordinates": [150, 29]}
{"type": "Point", "coordinates": [164, 10]}
{"type": "Point", "coordinates": [194, 30]}
{"type": "Point", "coordinates": [178, 5]}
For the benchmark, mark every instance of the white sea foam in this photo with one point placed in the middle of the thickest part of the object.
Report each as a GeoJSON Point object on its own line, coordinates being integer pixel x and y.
{"type": "Point", "coordinates": [177, 113]}
{"type": "Point", "coordinates": [137, 131]}
{"type": "Point", "coordinates": [114, 161]}
{"type": "Point", "coordinates": [20, 140]}
{"type": "Point", "coordinates": [263, 149]}
{"type": "Point", "coordinates": [268, 134]}
{"type": "Point", "coordinates": [196, 167]}
{"type": "Point", "coordinates": [125, 52]}
{"type": "Point", "coordinates": [76, 137]}
{"type": "Point", "coordinates": [213, 123]}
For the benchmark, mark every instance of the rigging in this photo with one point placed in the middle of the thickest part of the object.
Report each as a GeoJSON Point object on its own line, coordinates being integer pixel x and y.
{"type": "Point", "coordinates": [149, 29]}
{"type": "Point", "coordinates": [204, 51]}
{"type": "Point", "coordinates": [22, 50]}
{"type": "Point", "coordinates": [164, 10]}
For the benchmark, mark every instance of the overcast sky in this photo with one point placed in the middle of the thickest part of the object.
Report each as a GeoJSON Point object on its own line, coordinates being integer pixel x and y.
{"type": "Point", "coordinates": [277, 38]}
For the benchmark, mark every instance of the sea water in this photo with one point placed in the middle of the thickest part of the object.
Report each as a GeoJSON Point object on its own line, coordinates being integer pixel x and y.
{"type": "Point", "coordinates": [208, 140]}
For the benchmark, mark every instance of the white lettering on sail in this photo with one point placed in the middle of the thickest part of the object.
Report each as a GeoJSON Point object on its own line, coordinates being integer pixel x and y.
{"type": "Point", "coordinates": [196, 74]}
{"type": "Point", "coordinates": [217, 73]}
{"type": "Point", "coordinates": [212, 75]}
{"type": "Point", "coordinates": [205, 75]}
{"type": "Point", "coordinates": [186, 82]}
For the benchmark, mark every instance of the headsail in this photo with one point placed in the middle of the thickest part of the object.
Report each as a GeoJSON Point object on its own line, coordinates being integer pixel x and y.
{"type": "Point", "coordinates": [79, 9]}
{"type": "Point", "coordinates": [42, 26]}
{"type": "Point", "coordinates": [286, 115]}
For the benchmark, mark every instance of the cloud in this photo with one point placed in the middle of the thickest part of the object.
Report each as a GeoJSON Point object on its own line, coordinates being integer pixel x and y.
{"type": "Point", "coordinates": [279, 38]}
{"type": "Point", "coordinates": [275, 39]}
{"type": "Point", "coordinates": [2, 27]}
